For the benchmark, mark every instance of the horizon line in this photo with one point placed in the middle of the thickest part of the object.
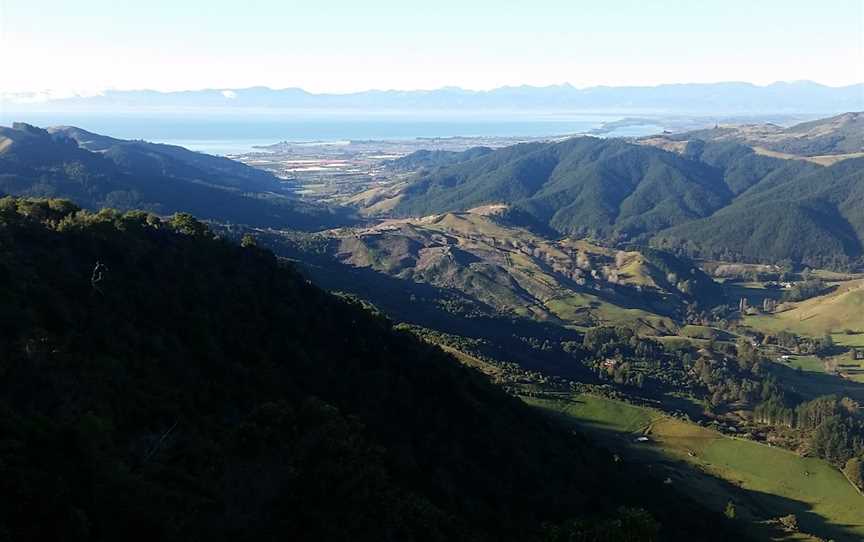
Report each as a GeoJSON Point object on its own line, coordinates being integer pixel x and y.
{"type": "Point", "coordinates": [51, 94]}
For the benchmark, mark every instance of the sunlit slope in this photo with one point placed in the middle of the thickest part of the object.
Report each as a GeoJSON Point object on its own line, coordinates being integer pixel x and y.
{"type": "Point", "coordinates": [836, 312]}
{"type": "Point", "coordinates": [763, 482]}
{"type": "Point", "coordinates": [514, 270]}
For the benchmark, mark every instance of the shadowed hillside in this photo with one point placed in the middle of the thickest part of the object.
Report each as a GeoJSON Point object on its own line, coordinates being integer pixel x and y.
{"type": "Point", "coordinates": [160, 384]}
{"type": "Point", "coordinates": [97, 171]}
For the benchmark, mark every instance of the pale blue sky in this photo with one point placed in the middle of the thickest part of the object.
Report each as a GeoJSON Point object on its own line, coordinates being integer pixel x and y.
{"type": "Point", "coordinates": [342, 46]}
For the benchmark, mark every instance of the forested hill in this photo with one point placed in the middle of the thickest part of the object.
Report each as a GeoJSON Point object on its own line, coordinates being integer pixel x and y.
{"type": "Point", "coordinates": [717, 199]}
{"type": "Point", "coordinates": [161, 384]}
{"type": "Point", "coordinates": [223, 171]}
{"type": "Point", "coordinates": [579, 186]}
{"type": "Point", "coordinates": [816, 219]}
{"type": "Point", "coordinates": [97, 171]}
{"type": "Point", "coordinates": [424, 159]}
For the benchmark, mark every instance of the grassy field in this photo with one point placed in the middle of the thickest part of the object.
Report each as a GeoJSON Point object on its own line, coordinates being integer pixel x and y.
{"type": "Point", "coordinates": [839, 314]}
{"type": "Point", "coordinates": [845, 339]}
{"type": "Point", "coordinates": [705, 332]}
{"type": "Point", "coordinates": [576, 307]}
{"type": "Point", "coordinates": [763, 482]}
{"type": "Point", "coordinates": [833, 313]}
{"type": "Point", "coordinates": [755, 292]}
{"type": "Point", "coordinates": [851, 368]}
{"type": "Point", "coordinates": [810, 364]}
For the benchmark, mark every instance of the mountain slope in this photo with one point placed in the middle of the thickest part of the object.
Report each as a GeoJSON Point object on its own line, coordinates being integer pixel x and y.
{"type": "Point", "coordinates": [424, 159]}
{"type": "Point", "coordinates": [186, 388]}
{"type": "Point", "coordinates": [97, 171]}
{"type": "Point", "coordinates": [518, 273]}
{"type": "Point", "coordinates": [816, 219]}
{"type": "Point", "coordinates": [719, 197]}
{"type": "Point", "coordinates": [176, 161]}
{"type": "Point", "coordinates": [579, 186]}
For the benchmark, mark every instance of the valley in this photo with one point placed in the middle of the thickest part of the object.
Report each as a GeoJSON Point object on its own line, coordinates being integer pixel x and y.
{"type": "Point", "coordinates": [510, 261]}
{"type": "Point", "coordinates": [431, 271]}
{"type": "Point", "coordinates": [631, 289]}
{"type": "Point", "coordinates": [335, 171]}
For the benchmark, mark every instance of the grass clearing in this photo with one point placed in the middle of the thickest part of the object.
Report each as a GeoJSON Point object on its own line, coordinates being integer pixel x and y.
{"type": "Point", "coordinates": [851, 368]}
{"type": "Point", "coordinates": [704, 332]}
{"type": "Point", "coordinates": [849, 339]}
{"type": "Point", "coordinates": [811, 364]}
{"type": "Point", "coordinates": [583, 308]}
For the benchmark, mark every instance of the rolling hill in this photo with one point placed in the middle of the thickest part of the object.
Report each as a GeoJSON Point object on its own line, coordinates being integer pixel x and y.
{"type": "Point", "coordinates": [835, 312]}
{"type": "Point", "coordinates": [515, 272]}
{"type": "Point", "coordinates": [97, 171]}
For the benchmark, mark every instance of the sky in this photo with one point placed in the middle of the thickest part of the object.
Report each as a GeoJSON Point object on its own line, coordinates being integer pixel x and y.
{"type": "Point", "coordinates": [336, 46]}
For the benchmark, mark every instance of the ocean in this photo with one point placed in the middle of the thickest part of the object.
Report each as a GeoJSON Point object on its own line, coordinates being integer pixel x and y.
{"type": "Point", "coordinates": [235, 133]}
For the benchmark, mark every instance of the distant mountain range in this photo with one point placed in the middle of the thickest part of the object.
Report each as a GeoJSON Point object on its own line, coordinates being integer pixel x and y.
{"type": "Point", "coordinates": [98, 171]}
{"type": "Point", "coordinates": [713, 193]}
{"type": "Point", "coordinates": [733, 97]}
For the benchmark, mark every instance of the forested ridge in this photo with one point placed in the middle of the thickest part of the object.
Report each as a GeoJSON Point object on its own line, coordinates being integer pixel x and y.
{"type": "Point", "coordinates": [159, 383]}
{"type": "Point", "coordinates": [713, 199]}
{"type": "Point", "coordinates": [97, 171]}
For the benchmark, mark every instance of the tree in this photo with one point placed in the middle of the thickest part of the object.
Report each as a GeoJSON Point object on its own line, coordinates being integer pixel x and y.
{"type": "Point", "coordinates": [628, 525]}
{"type": "Point", "coordinates": [189, 225]}
{"type": "Point", "coordinates": [827, 343]}
{"type": "Point", "coordinates": [730, 510]}
{"type": "Point", "coordinates": [790, 522]}
{"type": "Point", "coordinates": [747, 354]}
{"type": "Point", "coordinates": [855, 471]}
{"type": "Point", "coordinates": [248, 241]}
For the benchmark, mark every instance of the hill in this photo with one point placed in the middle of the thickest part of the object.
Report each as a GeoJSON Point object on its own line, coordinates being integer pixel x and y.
{"type": "Point", "coordinates": [815, 218]}
{"type": "Point", "coordinates": [176, 161]}
{"type": "Point", "coordinates": [163, 384]}
{"type": "Point", "coordinates": [835, 312]}
{"type": "Point", "coordinates": [424, 159]}
{"type": "Point", "coordinates": [818, 140]}
{"type": "Point", "coordinates": [516, 272]}
{"type": "Point", "coordinates": [711, 194]}
{"type": "Point", "coordinates": [97, 171]}
{"type": "Point", "coordinates": [579, 186]}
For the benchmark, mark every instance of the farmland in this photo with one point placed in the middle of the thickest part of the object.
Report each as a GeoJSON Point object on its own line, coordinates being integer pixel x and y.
{"type": "Point", "coordinates": [762, 482]}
